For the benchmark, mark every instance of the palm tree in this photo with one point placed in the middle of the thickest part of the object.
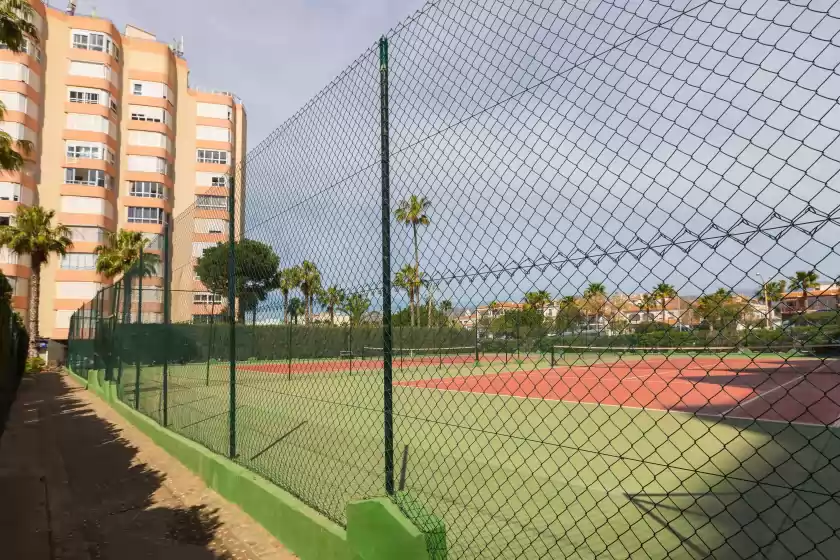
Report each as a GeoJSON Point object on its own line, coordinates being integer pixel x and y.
{"type": "Point", "coordinates": [5, 288]}
{"type": "Point", "coordinates": [295, 307]}
{"type": "Point", "coordinates": [664, 292]}
{"type": "Point", "coordinates": [409, 280]}
{"type": "Point", "coordinates": [771, 292]}
{"type": "Point", "coordinates": [14, 26]}
{"type": "Point", "coordinates": [288, 279]}
{"type": "Point", "coordinates": [14, 29]}
{"type": "Point", "coordinates": [34, 235]}
{"type": "Point", "coordinates": [412, 211]}
{"type": "Point", "coordinates": [537, 300]}
{"type": "Point", "coordinates": [310, 284]}
{"type": "Point", "coordinates": [356, 305]}
{"type": "Point", "coordinates": [331, 298]}
{"type": "Point", "coordinates": [719, 308]}
{"type": "Point", "coordinates": [121, 253]}
{"type": "Point", "coordinates": [595, 297]}
{"type": "Point", "coordinates": [647, 302]}
{"type": "Point", "coordinates": [804, 281]}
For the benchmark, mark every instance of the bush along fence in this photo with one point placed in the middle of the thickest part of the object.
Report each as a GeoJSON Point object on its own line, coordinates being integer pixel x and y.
{"type": "Point", "coordinates": [554, 280]}
{"type": "Point", "coordinates": [14, 341]}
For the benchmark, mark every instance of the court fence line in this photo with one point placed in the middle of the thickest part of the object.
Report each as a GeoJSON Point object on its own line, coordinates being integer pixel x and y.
{"type": "Point", "coordinates": [376, 300]}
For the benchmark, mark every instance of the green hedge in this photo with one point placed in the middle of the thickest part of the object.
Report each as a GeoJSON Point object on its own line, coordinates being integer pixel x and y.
{"type": "Point", "coordinates": [14, 342]}
{"type": "Point", "coordinates": [179, 343]}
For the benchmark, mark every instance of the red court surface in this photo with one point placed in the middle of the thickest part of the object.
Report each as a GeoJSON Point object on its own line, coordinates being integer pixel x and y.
{"type": "Point", "coordinates": [802, 391]}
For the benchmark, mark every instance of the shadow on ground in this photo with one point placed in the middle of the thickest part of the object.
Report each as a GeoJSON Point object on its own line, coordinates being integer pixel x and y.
{"type": "Point", "coordinates": [121, 506]}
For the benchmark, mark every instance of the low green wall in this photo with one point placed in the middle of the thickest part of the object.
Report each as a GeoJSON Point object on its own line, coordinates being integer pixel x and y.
{"type": "Point", "coordinates": [377, 526]}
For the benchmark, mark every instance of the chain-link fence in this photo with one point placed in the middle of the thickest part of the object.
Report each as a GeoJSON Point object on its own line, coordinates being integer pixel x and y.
{"type": "Point", "coordinates": [14, 342]}
{"type": "Point", "coordinates": [559, 277]}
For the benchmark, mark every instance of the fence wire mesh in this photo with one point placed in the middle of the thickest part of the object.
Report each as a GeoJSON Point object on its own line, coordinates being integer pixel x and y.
{"type": "Point", "coordinates": [607, 234]}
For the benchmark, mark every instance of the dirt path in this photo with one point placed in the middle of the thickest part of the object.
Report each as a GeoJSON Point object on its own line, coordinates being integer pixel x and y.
{"type": "Point", "coordinates": [78, 482]}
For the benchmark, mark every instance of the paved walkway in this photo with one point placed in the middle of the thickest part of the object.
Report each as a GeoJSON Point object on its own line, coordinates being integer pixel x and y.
{"type": "Point", "coordinates": [79, 483]}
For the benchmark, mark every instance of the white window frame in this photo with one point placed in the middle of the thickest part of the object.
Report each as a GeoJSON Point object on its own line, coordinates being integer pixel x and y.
{"type": "Point", "coordinates": [84, 97]}
{"type": "Point", "coordinates": [147, 189]}
{"type": "Point", "coordinates": [93, 41]}
{"type": "Point", "coordinates": [203, 155]}
{"type": "Point", "coordinates": [69, 257]}
{"type": "Point", "coordinates": [102, 179]}
{"type": "Point", "coordinates": [207, 298]}
{"type": "Point", "coordinates": [202, 200]}
{"type": "Point", "coordinates": [144, 215]}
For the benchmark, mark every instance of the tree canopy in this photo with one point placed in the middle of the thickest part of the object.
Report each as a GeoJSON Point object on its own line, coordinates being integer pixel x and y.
{"type": "Point", "coordinates": [256, 271]}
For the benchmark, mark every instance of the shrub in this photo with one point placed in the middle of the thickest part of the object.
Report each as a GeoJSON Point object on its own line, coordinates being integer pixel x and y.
{"type": "Point", "coordinates": [35, 365]}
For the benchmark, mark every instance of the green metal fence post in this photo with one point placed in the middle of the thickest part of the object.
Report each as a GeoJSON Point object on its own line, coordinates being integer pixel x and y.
{"type": "Point", "coordinates": [167, 313]}
{"type": "Point", "coordinates": [210, 342]}
{"type": "Point", "coordinates": [232, 314]}
{"type": "Point", "coordinates": [116, 355]}
{"type": "Point", "coordinates": [387, 404]}
{"type": "Point", "coordinates": [139, 322]}
{"type": "Point", "coordinates": [109, 368]}
{"type": "Point", "coordinates": [126, 281]}
{"type": "Point", "coordinates": [289, 347]}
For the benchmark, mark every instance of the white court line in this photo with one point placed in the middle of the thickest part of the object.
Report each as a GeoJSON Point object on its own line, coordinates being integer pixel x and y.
{"type": "Point", "coordinates": [762, 395]}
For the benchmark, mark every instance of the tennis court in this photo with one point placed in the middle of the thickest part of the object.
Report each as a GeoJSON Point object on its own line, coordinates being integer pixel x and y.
{"type": "Point", "coordinates": [615, 457]}
{"type": "Point", "coordinates": [803, 390]}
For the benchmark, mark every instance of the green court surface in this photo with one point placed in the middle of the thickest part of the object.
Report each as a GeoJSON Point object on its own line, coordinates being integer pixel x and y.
{"type": "Point", "coordinates": [520, 477]}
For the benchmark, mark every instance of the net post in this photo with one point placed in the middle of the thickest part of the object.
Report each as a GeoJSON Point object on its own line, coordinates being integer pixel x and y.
{"type": "Point", "coordinates": [231, 278]}
{"type": "Point", "coordinates": [553, 361]}
{"type": "Point", "coordinates": [476, 335]}
{"type": "Point", "coordinates": [289, 348]}
{"type": "Point", "coordinates": [387, 358]}
{"type": "Point", "coordinates": [167, 313]}
{"type": "Point", "coordinates": [139, 322]}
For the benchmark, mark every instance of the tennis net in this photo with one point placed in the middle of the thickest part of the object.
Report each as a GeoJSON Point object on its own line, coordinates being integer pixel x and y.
{"type": "Point", "coordinates": [449, 351]}
{"type": "Point", "coordinates": [595, 354]}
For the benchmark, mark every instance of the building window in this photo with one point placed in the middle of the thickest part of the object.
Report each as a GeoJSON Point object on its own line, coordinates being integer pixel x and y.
{"type": "Point", "coordinates": [218, 181]}
{"type": "Point", "coordinates": [212, 156]}
{"type": "Point", "coordinates": [113, 106]}
{"type": "Point", "coordinates": [207, 298]}
{"type": "Point", "coordinates": [84, 152]}
{"type": "Point", "coordinates": [147, 189]}
{"type": "Point", "coordinates": [140, 215]}
{"type": "Point", "coordinates": [93, 41]}
{"type": "Point", "coordinates": [78, 261]}
{"type": "Point", "coordinates": [9, 191]}
{"type": "Point", "coordinates": [149, 164]}
{"type": "Point", "coordinates": [80, 41]}
{"type": "Point", "coordinates": [86, 233]}
{"type": "Point", "coordinates": [147, 116]}
{"type": "Point", "coordinates": [137, 89]}
{"type": "Point", "coordinates": [90, 177]}
{"type": "Point", "coordinates": [77, 96]}
{"type": "Point", "coordinates": [211, 202]}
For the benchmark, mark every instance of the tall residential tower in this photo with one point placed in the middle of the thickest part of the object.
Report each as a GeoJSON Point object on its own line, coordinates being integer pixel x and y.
{"type": "Point", "coordinates": [121, 140]}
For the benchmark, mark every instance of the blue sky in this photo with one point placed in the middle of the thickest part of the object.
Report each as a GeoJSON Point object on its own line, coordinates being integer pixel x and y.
{"type": "Point", "coordinates": [275, 55]}
{"type": "Point", "coordinates": [560, 143]}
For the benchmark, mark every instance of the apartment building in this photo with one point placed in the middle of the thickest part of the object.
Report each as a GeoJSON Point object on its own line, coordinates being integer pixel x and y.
{"type": "Point", "coordinates": [121, 140]}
